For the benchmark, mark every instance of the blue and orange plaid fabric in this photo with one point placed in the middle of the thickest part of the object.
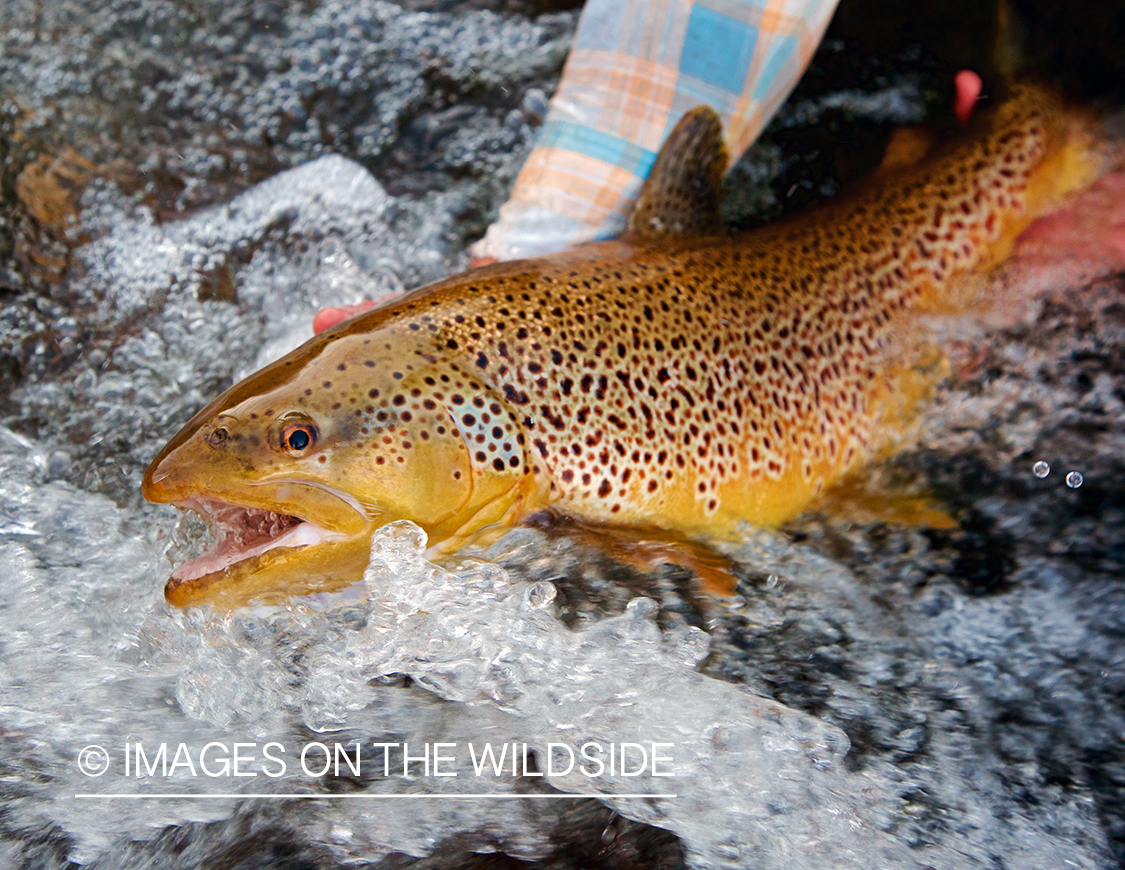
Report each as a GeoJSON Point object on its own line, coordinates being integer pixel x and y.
{"type": "Point", "coordinates": [635, 68]}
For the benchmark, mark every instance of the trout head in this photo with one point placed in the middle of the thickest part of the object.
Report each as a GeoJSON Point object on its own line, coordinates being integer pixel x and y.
{"type": "Point", "coordinates": [295, 467]}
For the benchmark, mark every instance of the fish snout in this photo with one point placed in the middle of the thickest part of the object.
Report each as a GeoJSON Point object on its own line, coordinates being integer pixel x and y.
{"type": "Point", "coordinates": [180, 470]}
{"type": "Point", "coordinates": [151, 487]}
{"type": "Point", "coordinates": [159, 483]}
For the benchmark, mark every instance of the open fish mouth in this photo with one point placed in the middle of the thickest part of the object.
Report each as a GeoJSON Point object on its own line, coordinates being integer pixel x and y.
{"type": "Point", "coordinates": [245, 539]}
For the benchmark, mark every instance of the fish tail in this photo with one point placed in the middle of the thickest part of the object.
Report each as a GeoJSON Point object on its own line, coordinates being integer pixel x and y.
{"type": "Point", "coordinates": [1034, 155]}
{"type": "Point", "coordinates": [1076, 151]}
{"type": "Point", "coordinates": [1026, 158]}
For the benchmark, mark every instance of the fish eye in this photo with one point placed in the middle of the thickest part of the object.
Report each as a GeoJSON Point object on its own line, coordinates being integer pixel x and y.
{"type": "Point", "coordinates": [218, 437]}
{"type": "Point", "coordinates": [296, 438]}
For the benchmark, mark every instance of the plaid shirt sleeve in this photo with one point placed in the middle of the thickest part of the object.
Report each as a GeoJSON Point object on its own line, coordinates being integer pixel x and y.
{"type": "Point", "coordinates": [635, 68]}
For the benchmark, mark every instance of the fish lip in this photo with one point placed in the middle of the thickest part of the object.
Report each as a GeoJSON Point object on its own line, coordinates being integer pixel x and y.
{"type": "Point", "coordinates": [365, 512]}
{"type": "Point", "coordinates": [226, 561]}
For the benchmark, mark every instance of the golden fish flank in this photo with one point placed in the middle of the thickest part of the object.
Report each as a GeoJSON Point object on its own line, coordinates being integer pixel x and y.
{"type": "Point", "coordinates": [674, 379]}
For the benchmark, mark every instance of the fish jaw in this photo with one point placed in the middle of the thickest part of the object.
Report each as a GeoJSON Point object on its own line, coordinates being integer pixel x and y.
{"type": "Point", "coordinates": [274, 540]}
{"type": "Point", "coordinates": [261, 556]}
{"type": "Point", "coordinates": [253, 564]}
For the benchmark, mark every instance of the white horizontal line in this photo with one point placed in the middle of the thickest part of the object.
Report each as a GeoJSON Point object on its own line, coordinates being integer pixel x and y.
{"type": "Point", "coordinates": [366, 796]}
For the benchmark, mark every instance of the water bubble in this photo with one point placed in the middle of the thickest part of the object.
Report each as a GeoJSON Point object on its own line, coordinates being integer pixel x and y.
{"type": "Point", "coordinates": [1041, 469]}
{"type": "Point", "coordinates": [1074, 479]}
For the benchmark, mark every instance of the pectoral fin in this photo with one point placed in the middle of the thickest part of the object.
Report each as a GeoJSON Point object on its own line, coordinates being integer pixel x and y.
{"type": "Point", "coordinates": [646, 549]}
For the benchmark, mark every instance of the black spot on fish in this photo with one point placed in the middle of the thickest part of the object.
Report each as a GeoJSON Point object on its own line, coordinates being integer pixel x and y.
{"type": "Point", "coordinates": [516, 397]}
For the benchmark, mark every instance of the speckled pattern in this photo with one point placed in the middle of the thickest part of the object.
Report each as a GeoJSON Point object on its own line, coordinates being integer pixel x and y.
{"type": "Point", "coordinates": [710, 381]}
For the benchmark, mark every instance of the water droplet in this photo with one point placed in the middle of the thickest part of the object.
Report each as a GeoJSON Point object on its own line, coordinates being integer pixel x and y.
{"type": "Point", "coordinates": [1041, 469]}
{"type": "Point", "coordinates": [1074, 479]}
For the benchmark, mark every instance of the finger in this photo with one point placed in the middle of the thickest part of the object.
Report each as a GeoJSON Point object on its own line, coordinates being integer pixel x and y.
{"type": "Point", "coordinates": [967, 87]}
{"type": "Point", "coordinates": [328, 317]}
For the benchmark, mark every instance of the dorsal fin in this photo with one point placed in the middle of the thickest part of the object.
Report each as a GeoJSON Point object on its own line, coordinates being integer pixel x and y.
{"type": "Point", "coordinates": [683, 191]}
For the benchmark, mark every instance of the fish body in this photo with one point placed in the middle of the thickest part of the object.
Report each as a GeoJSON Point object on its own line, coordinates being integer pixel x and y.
{"type": "Point", "coordinates": [679, 377]}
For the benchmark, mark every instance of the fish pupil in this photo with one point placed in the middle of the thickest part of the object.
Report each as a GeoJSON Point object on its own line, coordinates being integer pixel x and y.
{"type": "Point", "coordinates": [299, 439]}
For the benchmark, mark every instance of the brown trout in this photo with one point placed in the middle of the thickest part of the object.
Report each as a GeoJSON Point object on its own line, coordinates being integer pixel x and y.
{"type": "Point", "coordinates": [678, 378]}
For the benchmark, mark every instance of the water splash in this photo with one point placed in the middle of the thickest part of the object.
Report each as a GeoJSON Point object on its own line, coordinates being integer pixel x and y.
{"type": "Point", "coordinates": [755, 780]}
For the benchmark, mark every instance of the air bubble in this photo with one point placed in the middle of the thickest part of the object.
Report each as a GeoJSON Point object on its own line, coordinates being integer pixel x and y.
{"type": "Point", "coordinates": [1074, 479]}
{"type": "Point", "coordinates": [1041, 469]}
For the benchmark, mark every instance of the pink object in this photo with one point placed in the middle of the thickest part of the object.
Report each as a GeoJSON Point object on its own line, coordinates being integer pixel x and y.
{"type": "Point", "coordinates": [1091, 229]}
{"type": "Point", "coordinates": [967, 86]}
{"type": "Point", "coordinates": [1069, 248]}
{"type": "Point", "coordinates": [328, 317]}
